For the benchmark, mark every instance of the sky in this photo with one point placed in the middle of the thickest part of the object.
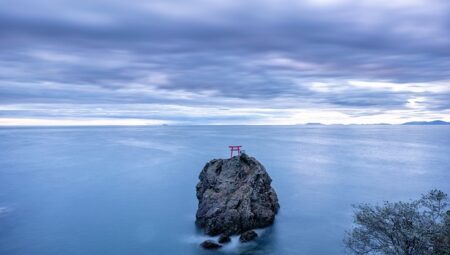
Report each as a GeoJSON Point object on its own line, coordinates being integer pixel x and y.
{"type": "Point", "coordinates": [224, 62]}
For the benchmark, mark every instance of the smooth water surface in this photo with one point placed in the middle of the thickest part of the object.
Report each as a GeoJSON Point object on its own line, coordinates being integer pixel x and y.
{"type": "Point", "coordinates": [131, 190]}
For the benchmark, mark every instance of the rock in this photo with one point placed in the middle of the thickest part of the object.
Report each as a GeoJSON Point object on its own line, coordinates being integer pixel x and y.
{"type": "Point", "coordinates": [224, 239]}
{"type": "Point", "coordinates": [210, 245]}
{"type": "Point", "coordinates": [248, 236]}
{"type": "Point", "coordinates": [235, 196]}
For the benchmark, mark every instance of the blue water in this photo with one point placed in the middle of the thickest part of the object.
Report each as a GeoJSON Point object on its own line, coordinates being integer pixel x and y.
{"type": "Point", "coordinates": [131, 190]}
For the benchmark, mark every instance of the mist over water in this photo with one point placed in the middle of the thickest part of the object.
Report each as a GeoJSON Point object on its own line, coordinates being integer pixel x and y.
{"type": "Point", "coordinates": [131, 190]}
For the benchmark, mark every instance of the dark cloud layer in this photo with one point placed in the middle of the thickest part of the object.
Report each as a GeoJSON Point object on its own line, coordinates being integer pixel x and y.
{"type": "Point", "coordinates": [339, 57]}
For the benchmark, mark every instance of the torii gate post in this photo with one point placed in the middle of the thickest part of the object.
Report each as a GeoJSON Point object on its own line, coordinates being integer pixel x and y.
{"type": "Point", "coordinates": [235, 148]}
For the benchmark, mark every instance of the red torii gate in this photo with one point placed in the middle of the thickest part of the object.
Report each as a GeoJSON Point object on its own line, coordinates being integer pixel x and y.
{"type": "Point", "coordinates": [235, 148]}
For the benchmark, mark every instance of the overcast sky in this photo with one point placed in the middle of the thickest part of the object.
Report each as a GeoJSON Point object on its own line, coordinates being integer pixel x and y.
{"type": "Point", "coordinates": [223, 62]}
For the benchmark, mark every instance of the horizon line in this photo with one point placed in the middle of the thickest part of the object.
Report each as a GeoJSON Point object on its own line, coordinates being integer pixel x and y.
{"type": "Point", "coordinates": [29, 122]}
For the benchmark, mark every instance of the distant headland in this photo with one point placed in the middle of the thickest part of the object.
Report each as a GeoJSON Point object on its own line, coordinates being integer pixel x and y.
{"type": "Point", "coordinates": [434, 122]}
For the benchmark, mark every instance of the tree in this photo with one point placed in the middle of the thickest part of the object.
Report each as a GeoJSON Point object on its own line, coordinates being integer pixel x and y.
{"type": "Point", "coordinates": [419, 227]}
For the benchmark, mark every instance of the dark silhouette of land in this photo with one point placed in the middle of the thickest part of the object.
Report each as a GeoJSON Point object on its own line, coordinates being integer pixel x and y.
{"type": "Point", "coordinates": [434, 122]}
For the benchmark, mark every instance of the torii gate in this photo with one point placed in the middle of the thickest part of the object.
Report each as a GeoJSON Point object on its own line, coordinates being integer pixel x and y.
{"type": "Point", "coordinates": [235, 148]}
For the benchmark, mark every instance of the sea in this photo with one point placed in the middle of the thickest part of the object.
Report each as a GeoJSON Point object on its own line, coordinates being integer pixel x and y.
{"type": "Point", "coordinates": [131, 190]}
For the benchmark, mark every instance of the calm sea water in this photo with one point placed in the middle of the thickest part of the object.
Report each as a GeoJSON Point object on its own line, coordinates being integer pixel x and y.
{"type": "Point", "coordinates": [131, 190]}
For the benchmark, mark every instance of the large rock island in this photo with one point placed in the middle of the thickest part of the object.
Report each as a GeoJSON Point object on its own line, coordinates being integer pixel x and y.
{"type": "Point", "coordinates": [235, 196]}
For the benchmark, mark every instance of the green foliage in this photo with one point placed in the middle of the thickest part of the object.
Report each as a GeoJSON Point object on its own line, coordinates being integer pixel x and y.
{"type": "Point", "coordinates": [419, 227]}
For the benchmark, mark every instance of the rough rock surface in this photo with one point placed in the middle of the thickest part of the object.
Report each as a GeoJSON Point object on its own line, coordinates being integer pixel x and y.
{"type": "Point", "coordinates": [235, 196]}
{"type": "Point", "coordinates": [210, 245]}
{"type": "Point", "coordinates": [248, 236]}
{"type": "Point", "coordinates": [224, 239]}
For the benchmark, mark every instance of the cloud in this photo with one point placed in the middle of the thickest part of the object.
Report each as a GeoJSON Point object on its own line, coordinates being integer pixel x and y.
{"type": "Point", "coordinates": [77, 122]}
{"type": "Point", "coordinates": [439, 87]}
{"type": "Point", "coordinates": [328, 56]}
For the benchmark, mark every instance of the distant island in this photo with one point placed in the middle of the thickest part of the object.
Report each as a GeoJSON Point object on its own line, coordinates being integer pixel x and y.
{"type": "Point", "coordinates": [434, 122]}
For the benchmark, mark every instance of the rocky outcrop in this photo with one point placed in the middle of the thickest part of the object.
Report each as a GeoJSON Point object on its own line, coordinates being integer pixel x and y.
{"type": "Point", "coordinates": [210, 245]}
{"type": "Point", "coordinates": [248, 236]}
{"type": "Point", "coordinates": [235, 195]}
{"type": "Point", "coordinates": [224, 239]}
